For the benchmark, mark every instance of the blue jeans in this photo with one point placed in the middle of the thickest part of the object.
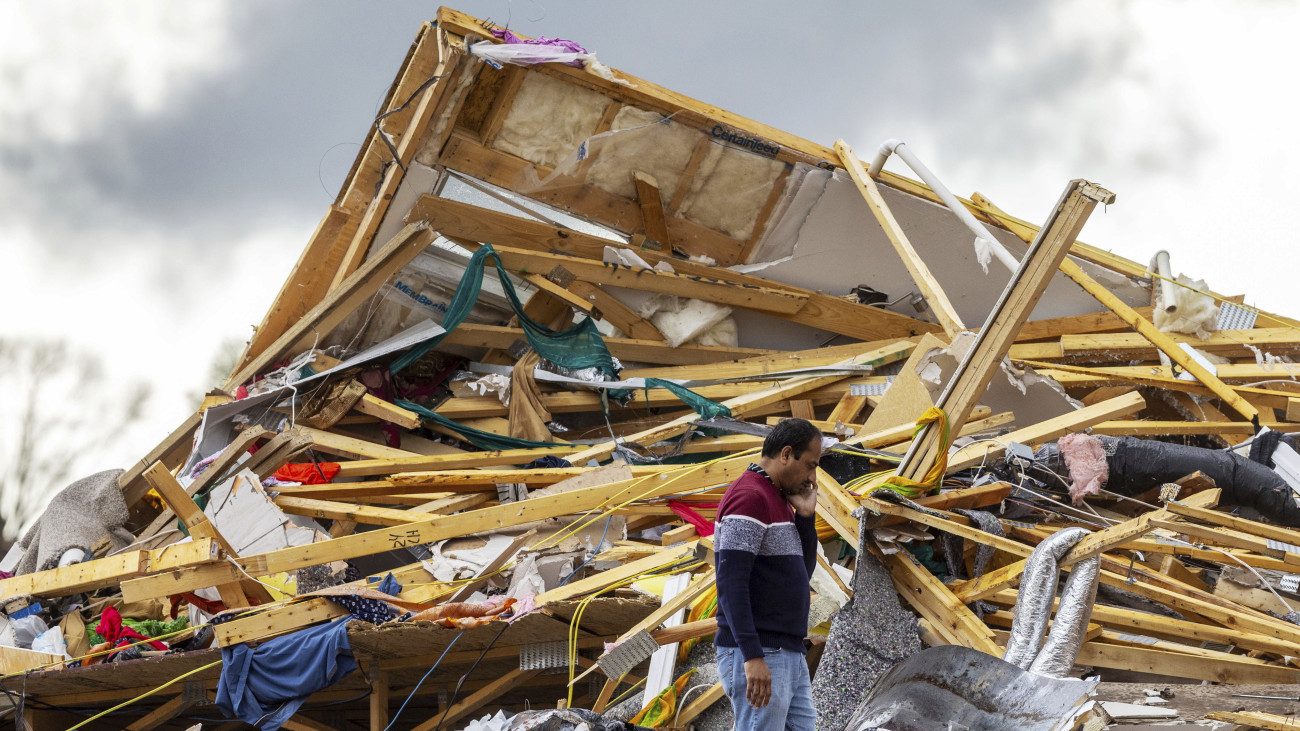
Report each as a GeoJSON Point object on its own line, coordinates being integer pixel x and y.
{"type": "Point", "coordinates": [791, 706]}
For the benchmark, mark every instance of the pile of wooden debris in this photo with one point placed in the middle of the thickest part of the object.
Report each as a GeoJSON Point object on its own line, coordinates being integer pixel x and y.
{"type": "Point", "coordinates": [551, 316]}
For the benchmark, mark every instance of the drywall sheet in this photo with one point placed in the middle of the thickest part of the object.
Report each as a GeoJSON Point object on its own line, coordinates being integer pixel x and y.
{"type": "Point", "coordinates": [840, 245]}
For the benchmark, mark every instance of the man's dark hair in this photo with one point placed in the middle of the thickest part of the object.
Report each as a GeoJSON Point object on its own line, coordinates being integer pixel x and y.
{"type": "Point", "coordinates": [793, 433]}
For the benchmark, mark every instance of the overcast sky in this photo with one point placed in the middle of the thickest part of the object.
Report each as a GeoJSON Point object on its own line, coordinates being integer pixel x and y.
{"type": "Point", "coordinates": [162, 164]}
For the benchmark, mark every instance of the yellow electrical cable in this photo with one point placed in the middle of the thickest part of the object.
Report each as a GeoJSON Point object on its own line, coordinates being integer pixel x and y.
{"type": "Point", "coordinates": [144, 695]}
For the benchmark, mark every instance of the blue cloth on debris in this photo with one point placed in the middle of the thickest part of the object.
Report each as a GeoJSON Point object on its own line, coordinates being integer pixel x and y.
{"type": "Point", "coordinates": [548, 461]}
{"type": "Point", "coordinates": [265, 686]}
{"type": "Point", "coordinates": [390, 585]}
{"type": "Point", "coordinates": [374, 611]}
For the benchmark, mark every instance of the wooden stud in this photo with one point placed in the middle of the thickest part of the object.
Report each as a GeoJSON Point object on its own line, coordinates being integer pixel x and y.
{"type": "Point", "coordinates": [916, 266]}
{"type": "Point", "coordinates": [967, 385]}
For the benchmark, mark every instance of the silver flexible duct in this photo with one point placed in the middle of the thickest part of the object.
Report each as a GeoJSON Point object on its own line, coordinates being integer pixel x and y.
{"type": "Point", "coordinates": [1034, 607]}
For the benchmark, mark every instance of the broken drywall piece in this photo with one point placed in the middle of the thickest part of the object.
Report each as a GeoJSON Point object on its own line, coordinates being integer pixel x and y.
{"type": "Point", "coordinates": [243, 513]}
{"type": "Point", "coordinates": [1032, 397]}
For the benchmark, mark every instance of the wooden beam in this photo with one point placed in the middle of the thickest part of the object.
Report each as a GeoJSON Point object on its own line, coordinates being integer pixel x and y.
{"type": "Point", "coordinates": [1092, 322]}
{"type": "Point", "coordinates": [916, 266]}
{"type": "Point", "coordinates": [477, 699]}
{"type": "Point", "coordinates": [1028, 283]}
{"type": "Point", "coordinates": [936, 603]}
{"type": "Point", "coordinates": [652, 209]}
{"type": "Point", "coordinates": [341, 301]}
{"type": "Point", "coordinates": [607, 307]}
{"type": "Point", "coordinates": [750, 401]}
{"type": "Point", "coordinates": [162, 714]}
{"type": "Point", "coordinates": [1151, 428]}
{"type": "Point", "coordinates": [307, 283]}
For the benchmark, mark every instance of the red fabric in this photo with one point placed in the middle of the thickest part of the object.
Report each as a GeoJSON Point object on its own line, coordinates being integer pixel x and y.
{"type": "Point", "coordinates": [198, 601]}
{"type": "Point", "coordinates": [703, 526]}
{"type": "Point", "coordinates": [113, 631]}
{"type": "Point", "coordinates": [307, 473]}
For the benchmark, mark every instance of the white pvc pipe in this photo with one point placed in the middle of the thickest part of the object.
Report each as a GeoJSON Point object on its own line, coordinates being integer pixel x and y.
{"type": "Point", "coordinates": [982, 234]}
{"type": "Point", "coordinates": [1166, 285]}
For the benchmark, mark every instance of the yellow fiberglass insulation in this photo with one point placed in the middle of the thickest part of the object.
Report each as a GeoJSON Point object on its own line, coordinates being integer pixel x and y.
{"type": "Point", "coordinates": [640, 140]}
{"type": "Point", "coordinates": [549, 119]}
{"type": "Point", "coordinates": [730, 189]}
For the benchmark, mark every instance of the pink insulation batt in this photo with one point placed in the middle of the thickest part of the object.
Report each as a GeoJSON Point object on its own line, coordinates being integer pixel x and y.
{"type": "Point", "coordinates": [1086, 460]}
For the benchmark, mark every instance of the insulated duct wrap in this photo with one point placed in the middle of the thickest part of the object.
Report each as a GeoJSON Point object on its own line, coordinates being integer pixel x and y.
{"type": "Point", "coordinates": [1034, 607]}
{"type": "Point", "coordinates": [1071, 625]}
{"type": "Point", "coordinates": [1138, 465]}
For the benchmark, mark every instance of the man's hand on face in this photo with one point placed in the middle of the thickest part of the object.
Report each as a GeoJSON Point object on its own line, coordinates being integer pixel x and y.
{"type": "Point", "coordinates": [805, 503]}
{"type": "Point", "coordinates": [758, 682]}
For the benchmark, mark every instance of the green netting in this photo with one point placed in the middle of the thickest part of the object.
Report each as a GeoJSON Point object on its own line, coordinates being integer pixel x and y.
{"type": "Point", "coordinates": [706, 408]}
{"type": "Point", "coordinates": [477, 437]}
{"type": "Point", "coordinates": [581, 346]}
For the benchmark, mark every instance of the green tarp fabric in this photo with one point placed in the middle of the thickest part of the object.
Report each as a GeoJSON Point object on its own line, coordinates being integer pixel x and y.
{"type": "Point", "coordinates": [706, 408]}
{"type": "Point", "coordinates": [581, 346]}
{"type": "Point", "coordinates": [477, 437]}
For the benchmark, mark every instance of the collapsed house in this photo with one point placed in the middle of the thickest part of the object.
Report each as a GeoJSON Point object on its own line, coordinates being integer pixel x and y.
{"type": "Point", "coordinates": [464, 474]}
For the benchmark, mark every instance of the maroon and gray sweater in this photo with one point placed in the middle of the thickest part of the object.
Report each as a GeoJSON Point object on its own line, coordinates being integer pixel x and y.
{"type": "Point", "coordinates": [765, 555]}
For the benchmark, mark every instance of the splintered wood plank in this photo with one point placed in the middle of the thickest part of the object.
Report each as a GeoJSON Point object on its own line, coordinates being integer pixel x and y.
{"type": "Point", "coordinates": [1152, 428]}
{"type": "Point", "coordinates": [307, 283]}
{"type": "Point", "coordinates": [652, 210]}
{"type": "Point", "coordinates": [994, 339]}
{"type": "Point", "coordinates": [936, 603]}
{"type": "Point", "coordinates": [341, 301]}
{"type": "Point", "coordinates": [432, 462]}
{"type": "Point", "coordinates": [916, 266]}
{"type": "Point", "coordinates": [477, 699]}
{"type": "Point", "coordinates": [351, 447]}
{"type": "Point", "coordinates": [748, 402]}
{"type": "Point", "coordinates": [363, 514]}
{"type": "Point", "coordinates": [386, 411]}
{"type": "Point", "coordinates": [1256, 719]}
{"type": "Point", "coordinates": [172, 451]}
{"type": "Point", "coordinates": [1092, 322]}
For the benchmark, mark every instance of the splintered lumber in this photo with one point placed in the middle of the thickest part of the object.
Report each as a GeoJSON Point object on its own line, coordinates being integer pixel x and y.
{"type": "Point", "coordinates": [967, 385]}
{"type": "Point", "coordinates": [1256, 719]}
{"type": "Point", "coordinates": [1093, 544]}
{"type": "Point", "coordinates": [916, 266]}
{"type": "Point", "coordinates": [1160, 340]}
{"type": "Point", "coordinates": [101, 573]}
{"type": "Point", "coordinates": [607, 307]}
{"type": "Point", "coordinates": [363, 514]}
{"type": "Point", "coordinates": [1227, 343]}
{"type": "Point", "coordinates": [431, 462]}
{"type": "Point", "coordinates": [753, 400]}
{"type": "Point", "coordinates": [933, 601]}
{"type": "Point", "coordinates": [439, 528]}
{"type": "Point", "coordinates": [615, 575]}
{"type": "Point", "coordinates": [162, 714]}
{"type": "Point", "coordinates": [341, 301]}
{"type": "Point", "coordinates": [1221, 668]}
{"type": "Point", "coordinates": [172, 451]}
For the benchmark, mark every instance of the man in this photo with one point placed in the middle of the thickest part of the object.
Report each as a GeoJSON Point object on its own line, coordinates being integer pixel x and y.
{"type": "Point", "coordinates": [766, 547]}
